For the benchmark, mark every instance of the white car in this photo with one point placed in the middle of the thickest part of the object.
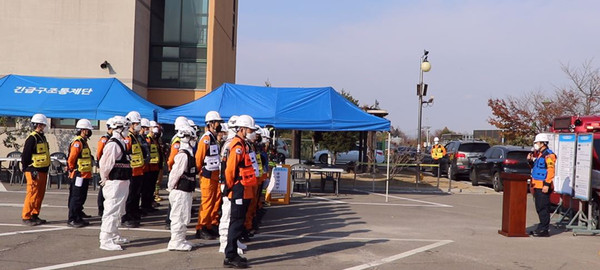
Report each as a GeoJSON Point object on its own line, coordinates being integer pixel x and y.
{"type": "Point", "coordinates": [346, 157]}
{"type": "Point", "coordinates": [282, 149]}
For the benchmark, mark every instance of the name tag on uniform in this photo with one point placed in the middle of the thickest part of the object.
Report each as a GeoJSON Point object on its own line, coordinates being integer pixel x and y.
{"type": "Point", "coordinates": [213, 150]}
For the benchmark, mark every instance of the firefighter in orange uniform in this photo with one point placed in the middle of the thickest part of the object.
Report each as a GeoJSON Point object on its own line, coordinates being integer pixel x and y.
{"type": "Point", "coordinates": [542, 175]}
{"type": "Point", "coordinates": [80, 164]}
{"type": "Point", "coordinates": [99, 151]}
{"type": "Point", "coordinates": [35, 161]}
{"type": "Point", "coordinates": [208, 159]}
{"type": "Point", "coordinates": [254, 140]}
{"type": "Point", "coordinates": [239, 179]}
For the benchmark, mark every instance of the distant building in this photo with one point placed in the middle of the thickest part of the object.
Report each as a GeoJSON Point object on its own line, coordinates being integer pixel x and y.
{"type": "Point", "coordinates": [493, 134]}
{"type": "Point", "coordinates": [168, 51]}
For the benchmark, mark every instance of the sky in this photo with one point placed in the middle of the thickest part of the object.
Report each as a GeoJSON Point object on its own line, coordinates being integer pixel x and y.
{"type": "Point", "coordinates": [372, 49]}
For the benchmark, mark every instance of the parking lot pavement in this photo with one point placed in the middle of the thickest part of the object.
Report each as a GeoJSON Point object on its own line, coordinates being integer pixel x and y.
{"type": "Point", "coordinates": [356, 230]}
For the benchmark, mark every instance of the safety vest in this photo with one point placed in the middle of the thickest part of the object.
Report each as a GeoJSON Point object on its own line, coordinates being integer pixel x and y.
{"type": "Point", "coordinates": [540, 168]}
{"type": "Point", "coordinates": [260, 164]}
{"type": "Point", "coordinates": [154, 156]}
{"type": "Point", "coordinates": [122, 168]}
{"type": "Point", "coordinates": [212, 161]}
{"type": "Point", "coordinates": [437, 151]}
{"type": "Point", "coordinates": [137, 156]}
{"type": "Point", "coordinates": [244, 173]}
{"type": "Point", "coordinates": [187, 181]}
{"type": "Point", "coordinates": [84, 160]}
{"type": "Point", "coordinates": [41, 156]}
{"type": "Point", "coordinates": [175, 139]}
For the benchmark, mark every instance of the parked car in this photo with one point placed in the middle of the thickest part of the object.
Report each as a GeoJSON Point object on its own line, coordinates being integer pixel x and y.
{"type": "Point", "coordinates": [457, 160]}
{"type": "Point", "coordinates": [346, 157]}
{"type": "Point", "coordinates": [406, 153]}
{"type": "Point", "coordinates": [282, 149]}
{"type": "Point", "coordinates": [499, 163]}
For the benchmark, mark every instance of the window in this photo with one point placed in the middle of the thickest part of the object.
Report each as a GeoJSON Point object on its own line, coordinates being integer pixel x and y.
{"type": "Point", "coordinates": [67, 123]}
{"type": "Point", "coordinates": [497, 153]}
{"type": "Point", "coordinates": [178, 33]}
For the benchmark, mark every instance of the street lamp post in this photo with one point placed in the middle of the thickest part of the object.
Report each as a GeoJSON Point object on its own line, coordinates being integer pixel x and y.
{"type": "Point", "coordinates": [425, 66]}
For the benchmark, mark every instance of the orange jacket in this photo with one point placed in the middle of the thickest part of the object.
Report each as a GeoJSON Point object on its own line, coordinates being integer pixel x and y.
{"type": "Point", "coordinates": [74, 150]}
{"type": "Point", "coordinates": [238, 152]}
{"type": "Point", "coordinates": [172, 153]}
{"type": "Point", "coordinates": [101, 143]}
{"type": "Point", "coordinates": [201, 152]}
{"type": "Point", "coordinates": [550, 163]}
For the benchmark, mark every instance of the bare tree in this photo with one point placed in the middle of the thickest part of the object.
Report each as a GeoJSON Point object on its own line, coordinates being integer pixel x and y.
{"type": "Point", "coordinates": [583, 95]}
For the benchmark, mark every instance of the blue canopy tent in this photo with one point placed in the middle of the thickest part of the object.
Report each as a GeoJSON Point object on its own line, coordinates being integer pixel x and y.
{"type": "Point", "coordinates": [318, 109]}
{"type": "Point", "coordinates": [97, 98]}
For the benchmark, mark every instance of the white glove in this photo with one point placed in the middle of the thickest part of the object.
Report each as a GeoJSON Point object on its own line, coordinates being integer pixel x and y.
{"type": "Point", "coordinates": [222, 188]}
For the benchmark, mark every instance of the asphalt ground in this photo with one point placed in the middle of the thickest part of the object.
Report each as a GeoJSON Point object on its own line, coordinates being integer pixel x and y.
{"type": "Point", "coordinates": [418, 228]}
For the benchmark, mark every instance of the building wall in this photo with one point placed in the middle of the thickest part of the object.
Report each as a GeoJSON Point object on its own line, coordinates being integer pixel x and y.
{"type": "Point", "coordinates": [222, 39]}
{"type": "Point", "coordinates": [141, 52]}
{"type": "Point", "coordinates": [68, 38]}
{"type": "Point", "coordinates": [221, 56]}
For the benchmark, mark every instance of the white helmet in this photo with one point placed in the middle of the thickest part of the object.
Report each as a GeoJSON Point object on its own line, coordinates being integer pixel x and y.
{"type": "Point", "coordinates": [186, 131]}
{"type": "Point", "coordinates": [231, 122]}
{"type": "Point", "coordinates": [191, 123]}
{"type": "Point", "coordinates": [39, 118]}
{"type": "Point", "coordinates": [436, 139]}
{"type": "Point", "coordinates": [212, 116]}
{"type": "Point", "coordinates": [181, 122]}
{"type": "Point", "coordinates": [258, 129]}
{"type": "Point", "coordinates": [145, 122]}
{"type": "Point", "coordinates": [265, 133]}
{"type": "Point", "coordinates": [84, 124]}
{"type": "Point", "coordinates": [153, 124]}
{"type": "Point", "coordinates": [245, 121]}
{"type": "Point", "coordinates": [542, 137]}
{"type": "Point", "coordinates": [134, 117]}
{"type": "Point", "coordinates": [109, 122]}
{"type": "Point", "coordinates": [119, 122]}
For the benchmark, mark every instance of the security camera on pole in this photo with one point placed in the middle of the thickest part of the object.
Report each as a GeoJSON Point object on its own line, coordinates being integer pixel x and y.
{"type": "Point", "coordinates": [425, 66]}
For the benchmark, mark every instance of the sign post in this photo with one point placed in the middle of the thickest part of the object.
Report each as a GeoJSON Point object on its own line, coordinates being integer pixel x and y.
{"type": "Point", "coordinates": [278, 190]}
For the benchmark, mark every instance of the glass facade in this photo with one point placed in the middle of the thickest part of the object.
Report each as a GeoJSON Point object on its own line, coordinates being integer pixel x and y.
{"type": "Point", "coordinates": [178, 32]}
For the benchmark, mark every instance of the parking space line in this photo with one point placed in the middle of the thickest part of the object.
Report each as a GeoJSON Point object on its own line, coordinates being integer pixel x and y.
{"type": "Point", "coordinates": [47, 192]}
{"type": "Point", "coordinates": [346, 238]}
{"type": "Point", "coordinates": [403, 198]}
{"type": "Point", "coordinates": [20, 205]}
{"type": "Point", "coordinates": [103, 259]}
{"type": "Point", "coordinates": [400, 256]}
{"type": "Point", "coordinates": [35, 231]}
{"type": "Point", "coordinates": [378, 204]}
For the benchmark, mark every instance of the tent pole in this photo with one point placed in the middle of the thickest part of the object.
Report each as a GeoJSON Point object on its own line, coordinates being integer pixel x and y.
{"type": "Point", "coordinates": [387, 181]}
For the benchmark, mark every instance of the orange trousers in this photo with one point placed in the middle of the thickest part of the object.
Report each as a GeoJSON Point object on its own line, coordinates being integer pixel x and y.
{"type": "Point", "coordinates": [251, 213]}
{"type": "Point", "coordinates": [209, 207]}
{"type": "Point", "coordinates": [36, 188]}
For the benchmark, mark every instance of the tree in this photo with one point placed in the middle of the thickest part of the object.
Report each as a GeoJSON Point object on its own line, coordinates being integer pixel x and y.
{"type": "Point", "coordinates": [12, 133]}
{"type": "Point", "coordinates": [583, 96]}
{"type": "Point", "coordinates": [520, 118]}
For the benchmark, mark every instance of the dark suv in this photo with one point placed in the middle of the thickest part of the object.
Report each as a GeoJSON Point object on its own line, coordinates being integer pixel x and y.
{"type": "Point", "coordinates": [499, 163]}
{"type": "Point", "coordinates": [460, 155]}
